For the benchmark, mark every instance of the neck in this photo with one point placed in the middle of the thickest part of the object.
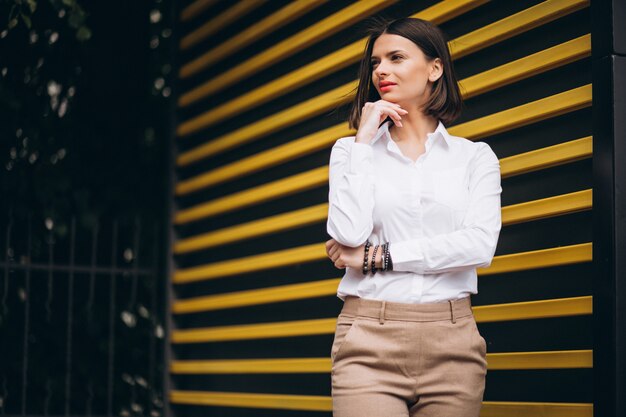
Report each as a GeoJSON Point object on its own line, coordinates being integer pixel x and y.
{"type": "Point", "coordinates": [415, 128]}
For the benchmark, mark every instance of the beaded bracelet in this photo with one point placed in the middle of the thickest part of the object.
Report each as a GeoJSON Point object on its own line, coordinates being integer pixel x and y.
{"type": "Point", "coordinates": [387, 256]}
{"type": "Point", "coordinates": [387, 264]}
{"type": "Point", "coordinates": [384, 255]}
{"type": "Point", "coordinates": [365, 260]}
{"type": "Point", "coordinates": [374, 260]}
{"type": "Point", "coordinates": [388, 259]}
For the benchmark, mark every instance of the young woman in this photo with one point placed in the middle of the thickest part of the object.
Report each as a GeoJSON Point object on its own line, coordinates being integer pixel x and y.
{"type": "Point", "coordinates": [413, 211]}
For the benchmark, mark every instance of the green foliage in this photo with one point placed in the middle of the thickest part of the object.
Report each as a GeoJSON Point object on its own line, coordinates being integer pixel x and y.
{"type": "Point", "coordinates": [76, 15]}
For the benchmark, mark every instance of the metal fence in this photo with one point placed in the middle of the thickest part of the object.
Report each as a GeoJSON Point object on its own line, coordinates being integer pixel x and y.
{"type": "Point", "coordinates": [81, 317]}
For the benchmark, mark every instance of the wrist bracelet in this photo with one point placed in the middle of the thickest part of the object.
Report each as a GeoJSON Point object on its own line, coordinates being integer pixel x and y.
{"type": "Point", "coordinates": [365, 258]}
{"type": "Point", "coordinates": [387, 257]}
{"type": "Point", "coordinates": [384, 255]}
{"type": "Point", "coordinates": [374, 259]}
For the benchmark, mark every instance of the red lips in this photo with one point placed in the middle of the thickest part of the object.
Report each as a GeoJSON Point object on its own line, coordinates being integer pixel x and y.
{"type": "Point", "coordinates": [385, 83]}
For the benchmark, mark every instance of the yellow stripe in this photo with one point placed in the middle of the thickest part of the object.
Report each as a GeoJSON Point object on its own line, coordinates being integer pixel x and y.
{"type": "Point", "coordinates": [255, 331]}
{"type": "Point", "coordinates": [251, 366]}
{"type": "Point", "coordinates": [277, 121]}
{"type": "Point", "coordinates": [276, 294]}
{"type": "Point", "coordinates": [526, 67]}
{"type": "Point", "coordinates": [195, 8]}
{"type": "Point", "coordinates": [259, 262]}
{"type": "Point", "coordinates": [280, 188]}
{"type": "Point", "coordinates": [513, 25]}
{"type": "Point", "coordinates": [561, 359]}
{"type": "Point", "coordinates": [547, 207]}
{"type": "Point", "coordinates": [324, 403]}
{"type": "Point", "coordinates": [282, 17]}
{"type": "Point", "coordinates": [526, 409]}
{"type": "Point", "coordinates": [543, 258]}
{"type": "Point", "coordinates": [547, 157]}
{"type": "Point", "coordinates": [560, 307]}
{"type": "Point", "coordinates": [266, 159]}
{"type": "Point", "coordinates": [252, 400]}
{"type": "Point", "coordinates": [256, 228]}
{"type": "Point", "coordinates": [533, 112]}
{"type": "Point", "coordinates": [219, 22]}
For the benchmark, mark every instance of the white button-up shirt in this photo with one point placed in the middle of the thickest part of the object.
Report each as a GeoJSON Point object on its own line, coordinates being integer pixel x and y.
{"type": "Point", "coordinates": [440, 213]}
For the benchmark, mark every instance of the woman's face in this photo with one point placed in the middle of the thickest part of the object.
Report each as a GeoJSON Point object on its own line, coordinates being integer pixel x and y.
{"type": "Point", "coordinates": [397, 59]}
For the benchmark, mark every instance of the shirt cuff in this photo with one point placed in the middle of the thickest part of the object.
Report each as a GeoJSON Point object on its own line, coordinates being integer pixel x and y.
{"type": "Point", "coordinates": [361, 158]}
{"type": "Point", "coordinates": [407, 255]}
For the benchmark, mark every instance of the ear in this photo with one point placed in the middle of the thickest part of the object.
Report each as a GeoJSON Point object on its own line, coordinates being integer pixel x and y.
{"type": "Point", "coordinates": [436, 70]}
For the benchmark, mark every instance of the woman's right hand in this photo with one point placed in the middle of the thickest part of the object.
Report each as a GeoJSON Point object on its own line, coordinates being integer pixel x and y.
{"type": "Point", "coordinates": [373, 114]}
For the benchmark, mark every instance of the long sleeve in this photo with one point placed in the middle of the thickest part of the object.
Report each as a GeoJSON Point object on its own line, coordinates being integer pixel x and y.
{"type": "Point", "coordinates": [351, 192]}
{"type": "Point", "coordinates": [474, 244]}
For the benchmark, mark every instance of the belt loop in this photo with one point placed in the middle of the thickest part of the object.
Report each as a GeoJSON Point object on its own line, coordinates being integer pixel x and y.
{"type": "Point", "coordinates": [452, 311]}
{"type": "Point", "coordinates": [381, 317]}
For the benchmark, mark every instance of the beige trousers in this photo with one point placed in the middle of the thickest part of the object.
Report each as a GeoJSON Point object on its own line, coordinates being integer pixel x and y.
{"type": "Point", "coordinates": [396, 359]}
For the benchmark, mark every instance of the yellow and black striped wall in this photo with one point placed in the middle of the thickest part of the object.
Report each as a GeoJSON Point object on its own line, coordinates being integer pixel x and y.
{"type": "Point", "coordinates": [262, 94]}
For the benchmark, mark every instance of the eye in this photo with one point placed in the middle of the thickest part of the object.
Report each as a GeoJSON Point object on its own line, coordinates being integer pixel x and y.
{"type": "Point", "coordinates": [393, 58]}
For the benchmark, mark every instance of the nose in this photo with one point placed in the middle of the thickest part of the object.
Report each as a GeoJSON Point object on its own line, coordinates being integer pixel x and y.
{"type": "Point", "coordinates": [380, 70]}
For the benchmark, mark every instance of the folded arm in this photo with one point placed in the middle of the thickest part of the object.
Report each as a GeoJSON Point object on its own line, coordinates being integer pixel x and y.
{"type": "Point", "coordinates": [472, 246]}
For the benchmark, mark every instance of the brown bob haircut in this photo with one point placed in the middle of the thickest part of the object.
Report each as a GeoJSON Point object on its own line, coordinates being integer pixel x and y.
{"type": "Point", "coordinates": [445, 101]}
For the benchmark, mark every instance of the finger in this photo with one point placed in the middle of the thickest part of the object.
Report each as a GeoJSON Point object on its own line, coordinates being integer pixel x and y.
{"type": "Point", "coordinates": [333, 250]}
{"type": "Point", "coordinates": [395, 117]}
{"type": "Point", "coordinates": [393, 112]}
{"type": "Point", "coordinates": [330, 245]}
{"type": "Point", "coordinates": [393, 105]}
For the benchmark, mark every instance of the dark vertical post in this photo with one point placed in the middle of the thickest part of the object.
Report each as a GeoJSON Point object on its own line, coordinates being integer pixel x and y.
{"type": "Point", "coordinates": [50, 242]}
{"type": "Point", "coordinates": [4, 309]}
{"type": "Point", "coordinates": [70, 321]}
{"type": "Point", "coordinates": [27, 314]}
{"type": "Point", "coordinates": [89, 305]}
{"type": "Point", "coordinates": [112, 319]}
{"type": "Point", "coordinates": [171, 208]}
{"type": "Point", "coordinates": [609, 206]}
{"type": "Point", "coordinates": [154, 315]}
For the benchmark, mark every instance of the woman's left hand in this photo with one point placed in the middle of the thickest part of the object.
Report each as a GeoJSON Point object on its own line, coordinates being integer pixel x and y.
{"type": "Point", "coordinates": [344, 256]}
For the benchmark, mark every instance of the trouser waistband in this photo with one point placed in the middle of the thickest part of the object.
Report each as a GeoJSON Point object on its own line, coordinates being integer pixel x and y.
{"type": "Point", "coordinates": [380, 309]}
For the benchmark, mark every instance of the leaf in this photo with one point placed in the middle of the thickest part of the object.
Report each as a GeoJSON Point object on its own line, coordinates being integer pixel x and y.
{"type": "Point", "coordinates": [11, 12]}
{"type": "Point", "coordinates": [26, 20]}
{"type": "Point", "coordinates": [83, 34]}
{"type": "Point", "coordinates": [33, 5]}
{"type": "Point", "coordinates": [76, 19]}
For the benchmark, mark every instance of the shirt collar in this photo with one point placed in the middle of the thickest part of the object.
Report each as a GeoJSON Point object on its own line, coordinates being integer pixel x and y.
{"type": "Point", "coordinates": [440, 131]}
